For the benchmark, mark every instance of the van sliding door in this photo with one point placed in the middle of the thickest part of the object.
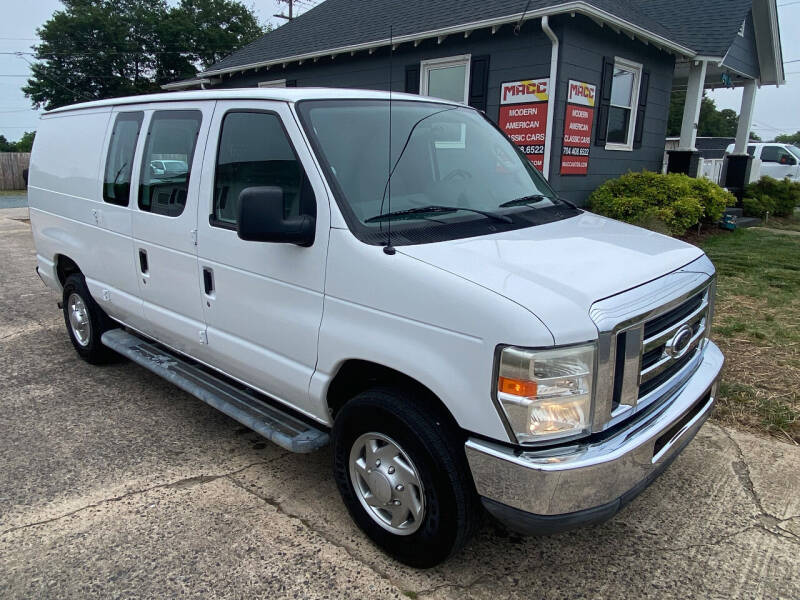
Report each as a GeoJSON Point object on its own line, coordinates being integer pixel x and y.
{"type": "Point", "coordinates": [165, 223]}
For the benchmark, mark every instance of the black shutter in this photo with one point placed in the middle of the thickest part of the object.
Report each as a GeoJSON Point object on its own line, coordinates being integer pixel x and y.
{"type": "Point", "coordinates": [639, 131]}
{"type": "Point", "coordinates": [604, 101]}
{"type": "Point", "coordinates": [479, 82]}
{"type": "Point", "coordinates": [412, 79]}
{"type": "Point", "coordinates": [291, 83]}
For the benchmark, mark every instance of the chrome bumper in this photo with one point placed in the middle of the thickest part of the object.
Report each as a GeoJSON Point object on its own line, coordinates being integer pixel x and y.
{"type": "Point", "coordinates": [594, 478]}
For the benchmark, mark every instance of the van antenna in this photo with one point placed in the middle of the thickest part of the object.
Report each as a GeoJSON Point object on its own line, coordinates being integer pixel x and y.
{"type": "Point", "coordinates": [388, 248]}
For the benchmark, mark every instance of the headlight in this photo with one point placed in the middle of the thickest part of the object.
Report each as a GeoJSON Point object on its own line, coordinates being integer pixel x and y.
{"type": "Point", "coordinates": [546, 394]}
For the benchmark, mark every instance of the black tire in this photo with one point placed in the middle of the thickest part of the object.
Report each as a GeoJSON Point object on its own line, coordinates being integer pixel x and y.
{"type": "Point", "coordinates": [436, 449]}
{"type": "Point", "coordinates": [90, 349]}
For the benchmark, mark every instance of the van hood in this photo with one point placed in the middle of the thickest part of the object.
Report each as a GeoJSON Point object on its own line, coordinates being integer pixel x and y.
{"type": "Point", "coordinates": [558, 270]}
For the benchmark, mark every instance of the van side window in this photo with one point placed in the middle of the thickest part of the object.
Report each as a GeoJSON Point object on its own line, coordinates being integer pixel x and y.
{"type": "Point", "coordinates": [254, 150]}
{"type": "Point", "coordinates": [167, 161]}
{"type": "Point", "coordinates": [119, 162]}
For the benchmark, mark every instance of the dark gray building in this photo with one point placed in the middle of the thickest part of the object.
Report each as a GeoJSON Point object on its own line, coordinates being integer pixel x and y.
{"type": "Point", "coordinates": [582, 86]}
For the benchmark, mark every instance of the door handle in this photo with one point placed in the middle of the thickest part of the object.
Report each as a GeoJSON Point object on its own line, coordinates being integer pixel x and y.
{"type": "Point", "coordinates": [143, 260]}
{"type": "Point", "coordinates": [208, 281]}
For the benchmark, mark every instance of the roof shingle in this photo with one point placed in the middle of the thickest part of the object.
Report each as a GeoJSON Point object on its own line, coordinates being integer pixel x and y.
{"type": "Point", "coordinates": [706, 27]}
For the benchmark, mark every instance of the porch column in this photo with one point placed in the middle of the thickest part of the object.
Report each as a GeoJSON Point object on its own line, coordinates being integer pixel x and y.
{"type": "Point", "coordinates": [691, 110]}
{"type": "Point", "coordinates": [746, 116]}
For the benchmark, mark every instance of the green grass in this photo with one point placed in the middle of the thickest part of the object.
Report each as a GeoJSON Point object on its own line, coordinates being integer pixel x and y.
{"type": "Point", "coordinates": [757, 324]}
{"type": "Point", "coordinates": [791, 223]}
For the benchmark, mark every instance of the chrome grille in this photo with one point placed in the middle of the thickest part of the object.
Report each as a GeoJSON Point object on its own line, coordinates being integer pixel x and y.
{"type": "Point", "coordinates": [692, 315]}
{"type": "Point", "coordinates": [651, 341]}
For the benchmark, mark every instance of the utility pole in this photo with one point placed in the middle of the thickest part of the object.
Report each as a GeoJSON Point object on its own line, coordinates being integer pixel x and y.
{"type": "Point", "coordinates": [291, 10]}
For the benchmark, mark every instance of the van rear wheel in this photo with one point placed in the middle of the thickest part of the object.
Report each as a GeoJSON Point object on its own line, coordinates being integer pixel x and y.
{"type": "Point", "coordinates": [402, 474]}
{"type": "Point", "coordinates": [85, 321]}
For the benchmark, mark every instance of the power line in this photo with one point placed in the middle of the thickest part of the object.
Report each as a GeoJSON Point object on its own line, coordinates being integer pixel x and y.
{"type": "Point", "coordinates": [59, 84]}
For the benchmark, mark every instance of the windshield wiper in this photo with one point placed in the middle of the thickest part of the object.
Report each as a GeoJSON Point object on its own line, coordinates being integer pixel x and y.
{"type": "Point", "coordinates": [533, 200]}
{"type": "Point", "coordinates": [524, 200]}
{"type": "Point", "coordinates": [435, 208]}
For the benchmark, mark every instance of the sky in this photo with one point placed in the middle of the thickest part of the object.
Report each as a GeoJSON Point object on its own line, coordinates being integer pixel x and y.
{"type": "Point", "coordinates": [18, 22]}
{"type": "Point", "coordinates": [776, 108]}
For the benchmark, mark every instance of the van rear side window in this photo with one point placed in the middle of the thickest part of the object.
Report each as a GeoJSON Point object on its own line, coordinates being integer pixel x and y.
{"type": "Point", "coordinates": [254, 150]}
{"type": "Point", "coordinates": [119, 162]}
{"type": "Point", "coordinates": [167, 161]}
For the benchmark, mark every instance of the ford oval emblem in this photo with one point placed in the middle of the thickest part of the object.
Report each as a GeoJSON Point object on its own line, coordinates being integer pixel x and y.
{"type": "Point", "coordinates": [679, 343]}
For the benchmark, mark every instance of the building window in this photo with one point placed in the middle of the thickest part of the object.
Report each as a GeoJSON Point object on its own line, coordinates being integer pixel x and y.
{"type": "Point", "coordinates": [167, 162]}
{"type": "Point", "coordinates": [446, 78]}
{"type": "Point", "coordinates": [274, 83]}
{"type": "Point", "coordinates": [624, 101]}
{"type": "Point", "coordinates": [254, 150]}
{"type": "Point", "coordinates": [119, 163]}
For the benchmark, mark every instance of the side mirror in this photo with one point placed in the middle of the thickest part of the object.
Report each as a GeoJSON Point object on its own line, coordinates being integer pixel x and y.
{"type": "Point", "coordinates": [261, 219]}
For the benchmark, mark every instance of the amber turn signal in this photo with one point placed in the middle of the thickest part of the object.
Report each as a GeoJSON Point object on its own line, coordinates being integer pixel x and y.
{"type": "Point", "coordinates": [517, 387]}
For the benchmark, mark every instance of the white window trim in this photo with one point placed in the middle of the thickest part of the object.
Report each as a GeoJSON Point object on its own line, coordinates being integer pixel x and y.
{"type": "Point", "coordinates": [636, 69]}
{"type": "Point", "coordinates": [273, 83]}
{"type": "Point", "coordinates": [426, 66]}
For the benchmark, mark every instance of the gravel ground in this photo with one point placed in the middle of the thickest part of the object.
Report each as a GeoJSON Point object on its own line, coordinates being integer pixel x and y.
{"type": "Point", "coordinates": [116, 484]}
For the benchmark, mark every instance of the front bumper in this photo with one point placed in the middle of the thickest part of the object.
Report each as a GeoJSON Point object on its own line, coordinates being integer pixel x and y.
{"type": "Point", "coordinates": [544, 491]}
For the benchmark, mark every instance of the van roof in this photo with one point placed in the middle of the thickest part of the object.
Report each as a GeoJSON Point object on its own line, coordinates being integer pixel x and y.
{"type": "Point", "coordinates": [281, 94]}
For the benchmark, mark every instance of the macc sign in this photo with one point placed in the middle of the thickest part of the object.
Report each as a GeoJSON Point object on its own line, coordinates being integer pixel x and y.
{"type": "Point", "coordinates": [523, 116]}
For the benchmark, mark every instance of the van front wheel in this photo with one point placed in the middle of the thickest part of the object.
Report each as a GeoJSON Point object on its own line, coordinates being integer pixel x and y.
{"type": "Point", "coordinates": [85, 321]}
{"type": "Point", "coordinates": [401, 471]}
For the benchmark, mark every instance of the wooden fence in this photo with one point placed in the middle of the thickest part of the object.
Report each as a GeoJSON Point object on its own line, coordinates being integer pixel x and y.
{"type": "Point", "coordinates": [12, 164]}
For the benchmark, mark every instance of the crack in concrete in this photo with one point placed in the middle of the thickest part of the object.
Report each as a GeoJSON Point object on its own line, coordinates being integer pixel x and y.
{"type": "Point", "coordinates": [179, 484]}
{"type": "Point", "coordinates": [461, 587]}
{"type": "Point", "coordinates": [277, 505]}
{"type": "Point", "coordinates": [742, 471]}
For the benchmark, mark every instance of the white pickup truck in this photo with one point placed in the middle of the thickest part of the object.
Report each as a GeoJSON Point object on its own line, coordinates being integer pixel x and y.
{"type": "Point", "coordinates": [777, 160]}
{"type": "Point", "coordinates": [420, 298]}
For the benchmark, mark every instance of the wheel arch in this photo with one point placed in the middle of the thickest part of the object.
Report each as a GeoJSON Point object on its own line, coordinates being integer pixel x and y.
{"type": "Point", "coordinates": [65, 267]}
{"type": "Point", "coordinates": [357, 375]}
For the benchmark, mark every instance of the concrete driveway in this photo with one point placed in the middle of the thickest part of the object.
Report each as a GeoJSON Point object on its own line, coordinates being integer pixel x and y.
{"type": "Point", "coordinates": [116, 484]}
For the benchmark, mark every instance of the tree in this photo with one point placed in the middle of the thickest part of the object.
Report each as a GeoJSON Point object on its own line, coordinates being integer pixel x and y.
{"type": "Point", "coordinates": [789, 138]}
{"type": "Point", "coordinates": [24, 144]}
{"type": "Point", "coordinates": [209, 30]}
{"type": "Point", "coordinates": [106, 48]}
{"type": "Point", "coordinates": [712, 122]}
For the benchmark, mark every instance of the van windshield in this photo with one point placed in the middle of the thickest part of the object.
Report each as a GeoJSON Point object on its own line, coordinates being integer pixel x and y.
{"type": "Point", "coordinates": [453, 174]}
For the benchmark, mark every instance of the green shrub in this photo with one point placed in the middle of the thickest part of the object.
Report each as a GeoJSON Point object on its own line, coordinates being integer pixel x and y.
{"type": "Point", "coordinates": [713, 198]}
{"type": "Point", "coordinates": [779, 197]}
{"type": "Point", "coordinates": [758, 206]}
{"type": "Point", "coordinates": [670, 203]}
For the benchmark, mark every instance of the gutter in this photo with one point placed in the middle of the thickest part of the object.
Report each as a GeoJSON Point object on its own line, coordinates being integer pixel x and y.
{"type": "Point", "coordinates": [573, 7]}
{"type": "Point", "coordinates": [551, 104]}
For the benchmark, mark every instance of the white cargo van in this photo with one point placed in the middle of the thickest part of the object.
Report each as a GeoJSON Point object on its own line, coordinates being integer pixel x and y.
{"type": "Point", "coordinates": [461, 336]}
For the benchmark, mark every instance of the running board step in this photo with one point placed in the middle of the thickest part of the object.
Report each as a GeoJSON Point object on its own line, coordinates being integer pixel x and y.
{"type": "Point", "coordinates": [277, 426]}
